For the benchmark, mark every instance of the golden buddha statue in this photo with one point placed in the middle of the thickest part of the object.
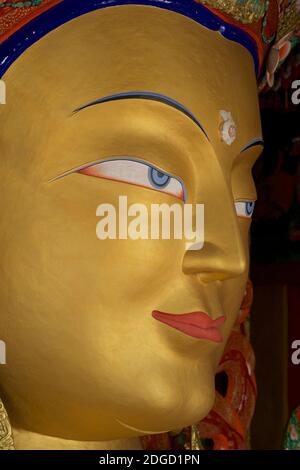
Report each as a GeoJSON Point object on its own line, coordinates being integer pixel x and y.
{"type": "Point", "coordinates": [108, 340]}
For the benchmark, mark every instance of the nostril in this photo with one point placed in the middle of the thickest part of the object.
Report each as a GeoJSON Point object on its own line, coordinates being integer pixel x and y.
{"type": "Point", "coordinates": [214, 276]}
{"type": "Point", "coordinates": [222, 275]}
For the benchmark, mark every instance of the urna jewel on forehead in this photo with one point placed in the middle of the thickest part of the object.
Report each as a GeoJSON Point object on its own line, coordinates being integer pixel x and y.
{"type": "Point", "coordinates": [258, 25]}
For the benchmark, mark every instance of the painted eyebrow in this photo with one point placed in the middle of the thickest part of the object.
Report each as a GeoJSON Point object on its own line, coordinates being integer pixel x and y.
{"type": "Point", "coordinates": [146, 95]}
{"type": "Point", "coordinates": [253, 143]}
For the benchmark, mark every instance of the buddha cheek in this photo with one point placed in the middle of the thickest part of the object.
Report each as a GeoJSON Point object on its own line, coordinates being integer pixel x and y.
{"type": "Point", "coordinates": [76, 271]}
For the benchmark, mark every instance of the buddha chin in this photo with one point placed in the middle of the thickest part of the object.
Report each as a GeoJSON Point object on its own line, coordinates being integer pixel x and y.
{"type": "Point", "coordinates": [170, 406]}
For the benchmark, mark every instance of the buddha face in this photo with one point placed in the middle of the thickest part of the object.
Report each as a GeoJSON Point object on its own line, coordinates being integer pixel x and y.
{"type": "Point", "coordinates": [86, 357]}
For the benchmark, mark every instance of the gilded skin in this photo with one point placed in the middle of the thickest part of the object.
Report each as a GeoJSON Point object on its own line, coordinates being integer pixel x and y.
{"type": "Point", "coordinates": [86, 359]}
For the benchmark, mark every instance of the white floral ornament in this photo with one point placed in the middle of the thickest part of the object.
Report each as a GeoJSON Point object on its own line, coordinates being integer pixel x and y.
{"type": "Point", "coordinates": [227, 127]}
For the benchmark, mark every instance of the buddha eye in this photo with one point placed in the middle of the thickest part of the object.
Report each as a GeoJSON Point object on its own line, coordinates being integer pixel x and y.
{"type": "Point", "coordinates": [245, 208]}
{"type": "Point", "coordinates": [158, 179]}
{"type": "Point", "coordinates": [137, 173]}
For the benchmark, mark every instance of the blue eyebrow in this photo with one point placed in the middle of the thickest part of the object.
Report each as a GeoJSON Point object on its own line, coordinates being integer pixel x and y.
{"type": "Point", "coordinates": [253, 143]}
{"type": "Point", "coordinates": [146, 95]}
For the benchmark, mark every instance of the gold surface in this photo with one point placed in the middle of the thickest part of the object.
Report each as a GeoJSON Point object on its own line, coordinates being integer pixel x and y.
{"type": "Point", "coordinates": [290, 21]}
{"type": "Point", "coordinates": [246, 11]}
{"type": "Point", "coordinates": [86, 360]}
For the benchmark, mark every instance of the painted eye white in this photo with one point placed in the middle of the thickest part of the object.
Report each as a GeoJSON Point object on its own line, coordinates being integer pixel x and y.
{"type": "Point", "coordinates": [138, 173]}
{"type": "Point", "coordinates": [245, 208]}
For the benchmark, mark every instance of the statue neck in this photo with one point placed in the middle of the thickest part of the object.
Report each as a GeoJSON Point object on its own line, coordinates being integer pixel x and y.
{"type": "Point", "coordinates": [27, 440]}
{"type": "Point", "coordinates": [20, 439]}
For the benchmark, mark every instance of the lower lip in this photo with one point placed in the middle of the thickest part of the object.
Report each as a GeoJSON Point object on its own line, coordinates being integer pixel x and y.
{"type": "Point", "coordinates": [212, 333]}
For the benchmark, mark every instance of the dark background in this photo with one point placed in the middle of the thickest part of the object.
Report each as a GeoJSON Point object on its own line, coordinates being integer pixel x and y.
{"type": "Point", "coordinates": [275, 261]}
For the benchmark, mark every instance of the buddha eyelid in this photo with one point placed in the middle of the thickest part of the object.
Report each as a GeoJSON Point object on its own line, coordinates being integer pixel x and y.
{"type": "Point", "coordinates": [104, 160]}
{"type": "Point", "coordinates": [149, 165]}
{"type": "Point", "coordinates": [116, 159]}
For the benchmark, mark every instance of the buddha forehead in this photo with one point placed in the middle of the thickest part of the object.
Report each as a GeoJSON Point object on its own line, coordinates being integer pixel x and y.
{"type": "Point", "coordinates": [136, 48]}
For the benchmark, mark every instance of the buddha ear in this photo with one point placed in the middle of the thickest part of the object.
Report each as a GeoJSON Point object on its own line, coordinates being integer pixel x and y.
{"type": "Point", "coordinates": [6, 435]}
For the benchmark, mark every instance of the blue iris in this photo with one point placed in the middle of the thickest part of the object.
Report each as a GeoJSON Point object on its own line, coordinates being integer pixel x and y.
{"type": "Point", "coordinates": [158, 179]}
{"type": "Point", "coordinates": [250, 207]}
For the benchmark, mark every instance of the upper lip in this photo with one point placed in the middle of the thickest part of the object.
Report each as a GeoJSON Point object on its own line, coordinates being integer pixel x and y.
{"type": "Point", "coordinates": [196, 324]}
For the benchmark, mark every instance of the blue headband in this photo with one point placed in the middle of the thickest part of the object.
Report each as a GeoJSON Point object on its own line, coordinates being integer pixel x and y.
{"type": "Point", "coordinates": [66, 10]}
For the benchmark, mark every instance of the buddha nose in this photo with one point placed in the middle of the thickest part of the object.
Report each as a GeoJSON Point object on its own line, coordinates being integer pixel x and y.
{"type": "Point", "coordinates": [224, 254]}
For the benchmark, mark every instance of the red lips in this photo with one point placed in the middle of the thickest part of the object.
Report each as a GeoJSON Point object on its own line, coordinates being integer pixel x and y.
{"type": "Point", "coordinates": [196, 324]}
